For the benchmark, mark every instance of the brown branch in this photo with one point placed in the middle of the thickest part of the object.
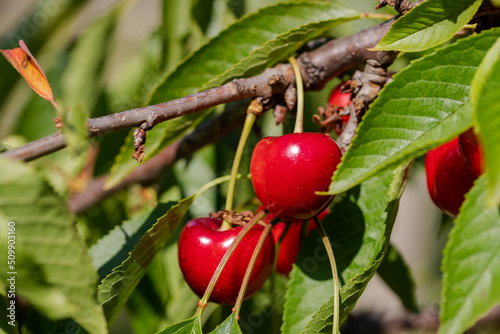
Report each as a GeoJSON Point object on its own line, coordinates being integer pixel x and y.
{"type": "Point", "coordinates": [146, 173]}
{"type": "Point", "coordinates": [37, 148]}
{"type": "Point", "coordinates": [365, 86]}
{"type": "Point", "coordinates": [318, 66]}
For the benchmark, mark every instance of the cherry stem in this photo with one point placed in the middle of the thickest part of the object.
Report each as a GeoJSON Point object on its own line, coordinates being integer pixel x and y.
{"type": "Point", "coordinates": [336, 297]}
{"type": "Point", "coordinates": [299, 121]}
{"type": "Point", "coordinates": [248, 273]}
{"type": "Point", "coordinates": [247, 127]}
{"type": "Point", "coordinates": [225, 258]}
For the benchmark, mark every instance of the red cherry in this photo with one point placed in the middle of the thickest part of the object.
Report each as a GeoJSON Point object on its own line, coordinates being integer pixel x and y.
{"type": "Point", "coordinates": [288, 170]}
{"type": "Point", "coordinates": [448, 178]}
{"type": "Point", "coordinates": [340, 100]}
{"type": "Point", "coordinates": [201, 247]}
{"type": "Point", "coordinates": [290, 245]}
{"type": "Point", "coordinates": [472, 152]}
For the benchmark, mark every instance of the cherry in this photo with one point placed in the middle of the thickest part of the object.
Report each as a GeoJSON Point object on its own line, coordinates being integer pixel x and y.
{"type": "Point", "coordinates": [340, 101]}
{"type": "Point", "coordinates": [448, 177]}
{"type": "Point", "coordinates": [287, 171]}
{"type": "Point", "coordinates": [471, 151]}
{"type": "Point", "coordinates": [201, 247]}
{"type": "Point", "coordinates": [290, 245]}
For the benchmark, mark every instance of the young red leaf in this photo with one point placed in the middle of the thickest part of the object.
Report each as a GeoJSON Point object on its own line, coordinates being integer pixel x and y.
{"type": "Point", "coordinates": [24, 62]}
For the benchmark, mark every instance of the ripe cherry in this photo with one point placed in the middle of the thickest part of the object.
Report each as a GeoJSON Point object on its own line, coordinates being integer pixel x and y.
{"type": "Point", "coordinates": [471, 151]}
{"type": "Point", "coordinates": [290, 245]}
{"type": "Point", "coordinates": [340, 101]}
{"type": "Point", "coordinates": [287, 171]}
{"type": "Point", "coordinates": [448, 178]}
{"type": "Point", "coordinates": [201, 247]}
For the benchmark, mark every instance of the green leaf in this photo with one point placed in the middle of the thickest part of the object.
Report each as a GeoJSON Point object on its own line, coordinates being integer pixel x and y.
{"type": "Point", "coordinates": [429, 24]}
{"type": "Point", "coordinates": [54, 271]}
{"type": "Point", "coordinates": [228, 326]}
{"type": "Point", "coordinates": [397, 276]}
{"type": "Point", "coordinates": [188, 326]}
{"type": "Point", "coordinates": [471, 263]}
{"type": "Point", "coordinates": [75, 127]}
{"type": "Point", "coordinates": [248, 46]}
{"type": "Point", "coordinates": [81, 77]}
{"type": "Point", "coordinates": [115, 289]}
{"type": "Point", "coordinates": [300, 22]}
{"type": "Point", "coordinates": [349, 294]}
{"type": "Point", "coordinates": [485, 96]}
{"type": "Point", "coordinates": [114, 248]}
{"type": "Point", "coordinates": [358, 227]}
{"type": "Point", "coordinates": [426, 105]}
{"type": "Point", "coordinates": [4, 147]}
{"type": "Point", "coordinates": [352, 290]}
{"type": "Point", "coordinates": [247, 39]}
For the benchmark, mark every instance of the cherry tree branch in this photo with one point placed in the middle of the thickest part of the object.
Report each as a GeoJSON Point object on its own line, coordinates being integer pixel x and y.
{"type": "Point", "coordinates": [151, 170]}
{"type": "Point", "coordinates": [317, 66]}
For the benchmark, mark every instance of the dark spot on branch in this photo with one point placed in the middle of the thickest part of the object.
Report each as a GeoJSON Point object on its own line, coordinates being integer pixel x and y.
{"type": "Point", "coordinates": [139, 144]}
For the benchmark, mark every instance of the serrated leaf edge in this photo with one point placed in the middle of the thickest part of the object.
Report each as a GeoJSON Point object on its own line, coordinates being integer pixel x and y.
{"type": "Point", "coordinates": [332, 190]}
{"type": "Point", "coordinates": [388, 47]}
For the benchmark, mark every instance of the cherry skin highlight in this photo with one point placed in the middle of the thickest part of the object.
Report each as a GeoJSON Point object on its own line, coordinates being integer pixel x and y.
{"type": "Point", "coordinates": [448, 178]}
{"type": "Point", "coordinates": [472, 151]}
{"type": "Point", "coordinates": [201, 247]}
{"type": "Point", "coordinates": [287, 171]}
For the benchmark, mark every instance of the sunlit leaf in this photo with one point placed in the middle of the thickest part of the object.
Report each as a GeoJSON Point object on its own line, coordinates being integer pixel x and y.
{"type": "Point", "coordinates": [485, 96]}
{"type": "Point", "coordinates": [228, 326]}
{"type": "Point", "coordinates": [115, 289]}
{"type": "Point", "coordinates": [471, 263]}
{"type": "Point", "coordinates": [240, 50]}
{"type": "Point", "coordinates": [359, 228]}
{"type": "Point", "coordinates": [322, 320]}
{"type": "Point", "coordinates": [54, 272]}
{"type": "Point", "coordinates": [427, 104]}
{"type": "Point", "coordinates": [429, 24]}
{"type": "Point", "coordinates": [113, 248]}
{"type": "Point", "coordinates": [188, 326]}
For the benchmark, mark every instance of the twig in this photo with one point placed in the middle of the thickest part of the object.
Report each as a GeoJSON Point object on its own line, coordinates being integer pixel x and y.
{"type": "Point", "coordinates": [146, 173]}
{"type": "Point", "coordinates": [366, 86]}
{"type": "Point", "coordinates": [317, 66]}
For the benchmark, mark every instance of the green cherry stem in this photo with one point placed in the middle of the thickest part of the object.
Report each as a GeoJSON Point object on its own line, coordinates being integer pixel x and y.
{"type": "Point", "coordinates": [247, 127]}
{"type": "Point", "coordinates": [299, 121]}
{"type": "Point", "coordinates": [248, 273]}
{"type": "Point", "coordinates": [204, 300]}
{"type": "Point", "coordinates": [336, 297]}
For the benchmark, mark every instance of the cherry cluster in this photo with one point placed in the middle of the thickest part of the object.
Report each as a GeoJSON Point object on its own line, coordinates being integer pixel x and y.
{"type": "Point", "coordinates": [451, 170]}
{"type": "Point", "coordinates": [286, 173]}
